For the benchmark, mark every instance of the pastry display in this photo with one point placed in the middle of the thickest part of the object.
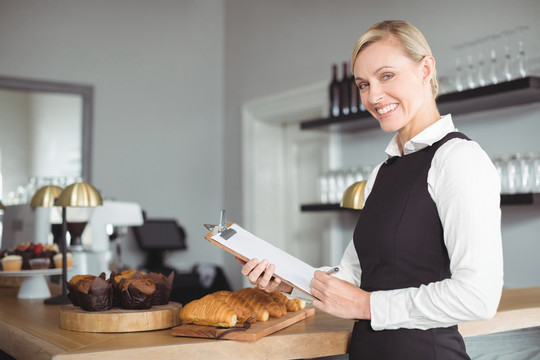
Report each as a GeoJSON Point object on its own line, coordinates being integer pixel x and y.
{"type": "Point", "coordinates": [57, 259]}
{"type": "Point", "coordinates": [290, 304]}
{"type": "Point", "coordinates": [248, 304]}
{"type": "Point", "coordinates": [131, 289]}
{"type": "Point", "coordinates": [136, 292]}
{"type": "Point", "coordinates": [12, 263]}
{"type": "Point", "coordinates": [91, 293]}
{"type": "Point", "coordinates": [163, 288]}
{"type": "Point", "coordinates": [39, 263]}
{"type": "Point", "coordinates": [29, 251]}
{"type": "Point", "coordinates": [261, 298]}
{"type": "Point", "coordinates": [244, 311]}
{"type": "Point", "coordinates": [209, 310]}
{"type": "Point", "coordinates": [116, 279]}
{"type": "Point", "coordinates": [295, 304]}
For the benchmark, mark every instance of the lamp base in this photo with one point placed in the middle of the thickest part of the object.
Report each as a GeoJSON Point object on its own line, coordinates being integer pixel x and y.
{"type": "Point", "coordinates": [58, 300]}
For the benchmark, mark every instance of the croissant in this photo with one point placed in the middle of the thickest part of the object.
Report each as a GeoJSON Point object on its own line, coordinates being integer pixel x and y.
{"type": "Point", "coordinates": [263, 298]}
{"type": "Point", "coordinates": [209, 310]}
{"type": "Point", "coordinates": [243, 310]}
{"type": "Point", "coordinates": [295, 304]}
{"type": "Point", "coordinates": [260, 309]}
{"type": "Point", "coordinates": [280, 298]}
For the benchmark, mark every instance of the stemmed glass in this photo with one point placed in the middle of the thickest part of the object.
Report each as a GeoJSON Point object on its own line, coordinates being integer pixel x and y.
{"type": "Point", "coordinates": [459, 69]}
{"type": "Point", "coordinates": [493, 68]}
{"type": "Point", "coordinates": [522, 60]}
{"type": "Point", "coordinates": [480, 44]}
{"type": "Point", "coordinates": [507, 72]}
{"type": "Point", "coordinates": [470, 65]}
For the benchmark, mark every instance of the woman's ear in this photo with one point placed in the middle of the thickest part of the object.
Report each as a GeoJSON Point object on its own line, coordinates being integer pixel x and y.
{"type": "Point", "coordinates": [428, 65]}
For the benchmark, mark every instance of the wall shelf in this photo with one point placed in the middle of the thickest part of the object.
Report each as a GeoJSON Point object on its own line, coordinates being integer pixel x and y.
{"type": "Point", "coordinates": [510, 93]}
{"type": "Point", "coordinates": [506, 199]}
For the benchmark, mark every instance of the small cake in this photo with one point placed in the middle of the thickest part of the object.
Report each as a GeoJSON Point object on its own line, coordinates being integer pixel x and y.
{"type": "Point", "coordinates": [91, 293]}
{"type": "Point", "coordinates": [58, 260]}
{"type": "Point", "coordinates": [136, 292]}
{"type": "Point", "coordinates": [39, 263]}
{"type": "Point", "coordinates": [163, 288]}
{"type": "Point", "coordinates": [12, 263]}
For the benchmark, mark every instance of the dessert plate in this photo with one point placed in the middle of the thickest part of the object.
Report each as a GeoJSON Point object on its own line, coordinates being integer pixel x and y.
{"type": "Point", "coordinates": [34, 284]}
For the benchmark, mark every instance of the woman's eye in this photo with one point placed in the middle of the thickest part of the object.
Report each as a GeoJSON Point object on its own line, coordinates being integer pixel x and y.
{"type": "Point", "coordinates": [362, 86]}
{"type": "Point", "coordinates": [387, 76]}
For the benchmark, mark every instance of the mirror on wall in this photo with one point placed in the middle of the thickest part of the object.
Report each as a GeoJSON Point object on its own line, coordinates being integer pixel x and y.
{"type": "Point", "coordinates": [45, 135]}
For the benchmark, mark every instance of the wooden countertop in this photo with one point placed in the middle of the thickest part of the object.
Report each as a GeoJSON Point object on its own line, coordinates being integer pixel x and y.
{"type": "Point", "coordinates": [30, 330]}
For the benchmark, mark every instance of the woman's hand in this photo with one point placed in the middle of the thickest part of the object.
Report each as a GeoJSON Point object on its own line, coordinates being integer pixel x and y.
{"type": "Point", "coordinates": [339, 298]}
{"type": "Point", "coordinates": [261, 275]}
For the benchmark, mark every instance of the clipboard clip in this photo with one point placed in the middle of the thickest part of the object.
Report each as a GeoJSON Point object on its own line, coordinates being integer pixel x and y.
{"type": "Point", "coordinates": [221, 229]}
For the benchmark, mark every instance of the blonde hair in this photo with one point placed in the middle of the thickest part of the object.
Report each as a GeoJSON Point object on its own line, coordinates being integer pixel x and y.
{"type": "Point", "coordinates": [413, 43]}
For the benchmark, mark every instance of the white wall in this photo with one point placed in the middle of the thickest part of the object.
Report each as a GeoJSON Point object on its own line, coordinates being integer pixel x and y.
{"type": "Point", "coordinates": [170, 78]}
{"type": "Point", "coordinates": [276, 46]}
{"type": "Point", "coordinates": [15, 140]}
{"type": "Point", "coordinates": [157, 72]}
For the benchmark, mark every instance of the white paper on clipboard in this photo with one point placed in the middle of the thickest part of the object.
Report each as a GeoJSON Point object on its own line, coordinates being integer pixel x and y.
{"type": "Point", "coordinates": [288, 267]}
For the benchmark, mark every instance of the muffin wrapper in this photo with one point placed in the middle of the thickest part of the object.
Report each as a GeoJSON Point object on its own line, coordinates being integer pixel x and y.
{"type": "Point", "coordinates": [98, 298]}
{"type": "Point", "coordinates": [132, 298]}
{"type": "Point", "coordinates": [163, 288]}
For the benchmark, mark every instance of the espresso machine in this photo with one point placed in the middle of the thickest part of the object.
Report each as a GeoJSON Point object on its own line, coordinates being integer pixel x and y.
{"type": "Point", "coordinates": [97, 251]}
{"type": "Point", "coordinates": [89, 235]}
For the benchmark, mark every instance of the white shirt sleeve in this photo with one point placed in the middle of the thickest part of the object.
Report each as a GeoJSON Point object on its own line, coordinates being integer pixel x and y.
{"type": "Point", "coordinates": [466, 189]}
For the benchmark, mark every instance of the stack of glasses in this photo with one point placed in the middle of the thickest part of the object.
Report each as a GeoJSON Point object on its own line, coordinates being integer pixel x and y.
{"type": "Point", "coordinates": [519, 173]}
{"type": "Point", "coordinates": [333, 183]}
{"type": "Point", "coordinates": [489, 60]}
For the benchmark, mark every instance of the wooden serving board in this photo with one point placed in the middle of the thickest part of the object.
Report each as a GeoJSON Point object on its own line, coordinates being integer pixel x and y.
{"type": "Point", "coordinates": [255, 332]}
{"type": "Point", "coordinates": [120, 320]}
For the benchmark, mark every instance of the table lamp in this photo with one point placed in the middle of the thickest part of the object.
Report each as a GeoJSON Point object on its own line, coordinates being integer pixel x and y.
{"type": "Point", "coordinates": [79, 194]}
{"type": "Point", "coordinates": [45, 196]}
{"type": "Point", "coordinates": [353, 196]}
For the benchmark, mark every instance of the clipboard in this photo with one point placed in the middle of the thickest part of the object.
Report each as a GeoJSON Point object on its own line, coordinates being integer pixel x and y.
{"type": "Point", "coordinates": [245, 246]}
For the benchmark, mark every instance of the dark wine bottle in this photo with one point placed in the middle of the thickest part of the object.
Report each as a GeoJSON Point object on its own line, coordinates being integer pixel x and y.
{"type": "Point", "coordinates": [345, 99]}
{"type": "Point", "coordinates": [334, 91]}
{"type": "Point", "coordinates": [354, 94]}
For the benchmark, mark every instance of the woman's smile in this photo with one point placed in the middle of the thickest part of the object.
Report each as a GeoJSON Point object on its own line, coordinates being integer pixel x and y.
{"type": "Point", "coordinates": [382, 110]}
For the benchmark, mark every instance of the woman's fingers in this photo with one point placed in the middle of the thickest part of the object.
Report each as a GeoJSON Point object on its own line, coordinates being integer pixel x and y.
{"type": "Point", "coordinates": [248, 267]}
{"type": "Point", "coordinates": [240, 261]}
{"type": "Point", "coordinates": [266, 277]}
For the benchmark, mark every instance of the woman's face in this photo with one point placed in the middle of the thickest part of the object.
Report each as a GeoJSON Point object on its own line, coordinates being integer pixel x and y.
{"type": "Point", "coordinates": [390, 84]}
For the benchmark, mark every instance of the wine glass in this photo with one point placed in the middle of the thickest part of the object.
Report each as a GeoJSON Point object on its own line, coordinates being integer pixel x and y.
{"type": "Point", "coordinates": [507, 70]}
{"type": "Point", "coordinates": [522, 60]}
{"type": "Point", "coordinates": [493, 68]}
{"type": "Point", "coordinates": [459, 67]}
{"type": "Point", "coordinates": [480, 44]}
{"type": "Point", "coordinates": [470, 65]}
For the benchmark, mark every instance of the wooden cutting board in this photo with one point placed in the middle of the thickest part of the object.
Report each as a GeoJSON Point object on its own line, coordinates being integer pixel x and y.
{"type": "Point", "coordinates": [120, 320]}
{"type": "Point", "coordinates": [255, 332]}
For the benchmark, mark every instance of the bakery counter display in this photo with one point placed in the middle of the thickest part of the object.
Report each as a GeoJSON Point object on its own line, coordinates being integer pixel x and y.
{"type": "Point", "coordinates": [126, 302]}
{"type": "Point", "coordinates": [29, 256]}
{"type": "Point", "coordinates": [246, 315]}
{"type": "Point", "coordinates": [33, 264]}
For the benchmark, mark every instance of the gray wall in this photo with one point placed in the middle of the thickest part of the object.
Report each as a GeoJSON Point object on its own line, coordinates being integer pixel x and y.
{"type": "Point", "coordinates": [171, 76]}
{"type": "Point", "coordinates": [157, 71]}
{"type": "Point", "coordinates": [279, 45]}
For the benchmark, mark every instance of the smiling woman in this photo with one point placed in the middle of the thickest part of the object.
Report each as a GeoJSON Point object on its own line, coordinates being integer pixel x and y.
{"type": "Point", "coordinates": [46, 131]}
{"type": "Point", "coordinates": [426, 252]}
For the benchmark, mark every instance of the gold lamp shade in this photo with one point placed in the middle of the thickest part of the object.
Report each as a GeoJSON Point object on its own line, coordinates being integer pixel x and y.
{"type": "Point", "coordinates": [353, 197]}
{"type": "Point", "coordinates": [79, 194]}
{"type": "Point", "coordinates": [45, 196]}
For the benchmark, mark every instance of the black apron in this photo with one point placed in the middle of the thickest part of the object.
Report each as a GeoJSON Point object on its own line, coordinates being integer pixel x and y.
{"type": "Point", "coordinates": [399, 242]}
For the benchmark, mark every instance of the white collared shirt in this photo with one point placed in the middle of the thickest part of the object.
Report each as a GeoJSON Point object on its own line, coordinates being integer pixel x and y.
{"type": "Point", "coordinates": [465, 187]}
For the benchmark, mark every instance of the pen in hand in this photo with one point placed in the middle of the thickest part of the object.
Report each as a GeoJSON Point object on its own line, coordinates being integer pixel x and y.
{"type": "Point", "coordinates": [332, 270]}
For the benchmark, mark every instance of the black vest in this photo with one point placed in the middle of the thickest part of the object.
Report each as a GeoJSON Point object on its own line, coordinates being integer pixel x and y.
{"type": "Point", "coordinates": [399, 241]}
